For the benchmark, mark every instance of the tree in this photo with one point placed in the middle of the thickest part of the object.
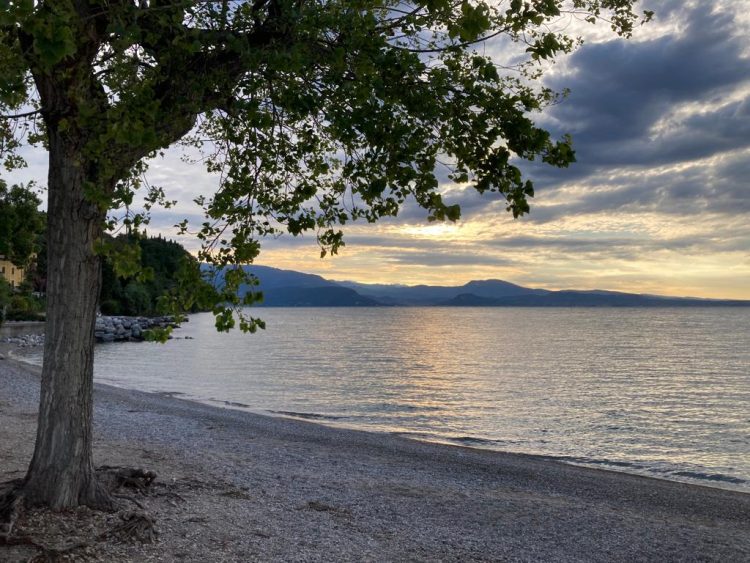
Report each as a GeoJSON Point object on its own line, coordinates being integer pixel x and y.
{"type": "Point", "coordinates": [315, 112]}
{"type": "Point", "coordinates": [20, 223]}
{"type": "Point", "coordinates": [162, 261]}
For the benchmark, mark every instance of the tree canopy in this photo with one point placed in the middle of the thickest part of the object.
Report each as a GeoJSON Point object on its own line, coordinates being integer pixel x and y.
{"type": "Point", "coordinates": [20, 223]}
{"type": "Point", "coordinates": [313, 113]}
{"type": "Point", "coordinates": [161, 262]}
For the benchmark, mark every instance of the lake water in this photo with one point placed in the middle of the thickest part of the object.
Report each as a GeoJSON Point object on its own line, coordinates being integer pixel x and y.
{"type": "Point", "coordinates": [661, 392]}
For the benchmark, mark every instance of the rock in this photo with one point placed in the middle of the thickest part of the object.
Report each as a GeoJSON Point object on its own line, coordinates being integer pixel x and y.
{"type": "Point", "coordinates": [128, 329]}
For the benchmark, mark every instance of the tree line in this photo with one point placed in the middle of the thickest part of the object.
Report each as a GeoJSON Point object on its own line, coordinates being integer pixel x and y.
{"type": "Point", "coordinates": [23, 243]}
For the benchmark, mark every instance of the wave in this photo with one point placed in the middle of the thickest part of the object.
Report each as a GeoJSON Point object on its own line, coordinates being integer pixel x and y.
{"type": "Point", "coordinates": [473, 440]}
{"type": "Point", "coordinates": [641, 468]}
{"type": "Point", "coordinates": [462, 440]}
{"type": "Point", "coordinates": [716, 477]}
{"type": "Point", "coordinates": [309, 415]}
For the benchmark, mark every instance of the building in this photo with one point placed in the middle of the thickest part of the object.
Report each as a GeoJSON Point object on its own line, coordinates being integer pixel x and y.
{"type": "Point", "coordinates": [12, 273]}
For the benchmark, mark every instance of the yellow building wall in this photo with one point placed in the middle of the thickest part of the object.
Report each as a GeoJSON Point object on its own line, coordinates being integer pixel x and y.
{"type": "Point", "coordinates": [12, 273]}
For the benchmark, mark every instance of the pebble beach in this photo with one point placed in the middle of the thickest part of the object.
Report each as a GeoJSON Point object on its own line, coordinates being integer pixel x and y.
{"type": "Point", "coordinates": [238, 486]}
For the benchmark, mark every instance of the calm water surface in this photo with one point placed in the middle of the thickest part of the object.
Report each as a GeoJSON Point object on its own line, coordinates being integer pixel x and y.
{"type": "Point", "coordinates": [662, 392]}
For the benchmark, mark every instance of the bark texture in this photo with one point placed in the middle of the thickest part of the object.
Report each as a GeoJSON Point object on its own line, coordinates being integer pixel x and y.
{"type": "Point", "coordinates": [61, 473]}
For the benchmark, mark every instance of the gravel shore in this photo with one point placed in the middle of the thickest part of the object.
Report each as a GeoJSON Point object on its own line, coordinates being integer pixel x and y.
{"type": "Point", "coordinates": [236, 486]}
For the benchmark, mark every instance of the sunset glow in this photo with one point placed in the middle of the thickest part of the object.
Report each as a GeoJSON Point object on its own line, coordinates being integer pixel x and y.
{"type": "Point", "coordinates": [658, 201]}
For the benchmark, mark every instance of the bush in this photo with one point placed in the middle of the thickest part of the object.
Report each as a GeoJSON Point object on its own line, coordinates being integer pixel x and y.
{"type": "Point", "coordinates": [110, 307]}
{"type": "Point", "coordinates": [12, 315]}
{"type": "Point", "coordinates": [137, 299]}
{"type": "Point", "coordinates": [21, 304]}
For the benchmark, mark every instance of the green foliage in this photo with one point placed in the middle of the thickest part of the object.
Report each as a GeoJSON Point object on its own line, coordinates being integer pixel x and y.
{"type": "Point", "coordinates": [316, 114]}
{"type": "Point", "coordinates": [110, 307]}
{"type": "Point", "coordinates": [20, 305]}
{"type": "Point", "coordinates": [137, 299]}
{"type": "Point", "coordinates": [25, 307]}
{"type": "Point", "coordinates": [21, 238]}
{"type": "Point", "coordinates": [20, 223]}
{"type": "Point", "coordinates": [150, 287]}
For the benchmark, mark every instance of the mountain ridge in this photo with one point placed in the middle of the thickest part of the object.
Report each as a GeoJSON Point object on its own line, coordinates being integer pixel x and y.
{"type": "Point", "coordinates": [289, 288]}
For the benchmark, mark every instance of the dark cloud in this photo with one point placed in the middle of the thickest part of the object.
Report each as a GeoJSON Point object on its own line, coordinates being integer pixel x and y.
{"type": "Point", "coordinates": [631, 247]}
{"type": "Point", "coordinates": [720, 187]}
{"type": "Point", "coordinates": [638, 106]}
{"type": "Point", "coordinates": [659, 126]}
{"type": "Point", "coordinates": [620, 90]}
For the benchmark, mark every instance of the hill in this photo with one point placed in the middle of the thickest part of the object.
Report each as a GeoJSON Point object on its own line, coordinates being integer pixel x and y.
{"type": "Point", "coordinates": [287, 288]}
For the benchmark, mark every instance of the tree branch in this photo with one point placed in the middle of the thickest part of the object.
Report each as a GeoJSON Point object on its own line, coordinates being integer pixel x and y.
{"type": "Point", "coordinates": [20, 115]}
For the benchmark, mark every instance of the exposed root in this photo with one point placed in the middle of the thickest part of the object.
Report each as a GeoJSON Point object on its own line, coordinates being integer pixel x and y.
{"type": "Point", "coordinates": [131, 499]}
{"type": "Point", "coordinates": [46, 553]}
{"type": "Point", "coordinates": [112, 478]}
{"type": "Point", "coordinates": [50, 554]}
{"type": "Point", "coordinates": [11, 505]}
{"type": "Point", "coordinates": [137, 526]}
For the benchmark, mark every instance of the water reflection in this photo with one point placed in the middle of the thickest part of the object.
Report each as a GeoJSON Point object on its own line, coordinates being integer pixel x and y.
{"type": "Point", "coordinates": [662, 391]}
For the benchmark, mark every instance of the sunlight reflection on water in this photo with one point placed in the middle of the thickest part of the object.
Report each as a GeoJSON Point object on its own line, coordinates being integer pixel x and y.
{"type": "Point", "coordinates": [665, 392]}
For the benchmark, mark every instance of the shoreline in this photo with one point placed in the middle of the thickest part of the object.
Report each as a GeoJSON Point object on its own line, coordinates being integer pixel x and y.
{"type": "Point", "coordinates": [606, 432]}
{"type": "Point", "coordinates": [718, 481]}
{"type": "Point", "coordinates": [264, 487]}
{"type": "Point", "coordinates": [708, 480]}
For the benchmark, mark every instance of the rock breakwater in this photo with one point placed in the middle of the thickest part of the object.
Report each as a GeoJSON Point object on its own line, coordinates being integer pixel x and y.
{"type": "Point", "coordinates": [108, 329]}
{"type": "Point", "coordinates": [128, 329]}
{"type": "Point", "coordinates": [24, 341]}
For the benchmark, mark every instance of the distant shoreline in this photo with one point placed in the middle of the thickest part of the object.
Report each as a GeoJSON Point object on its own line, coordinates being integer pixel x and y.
{"type": "Point", "coordinates": [260, 487]}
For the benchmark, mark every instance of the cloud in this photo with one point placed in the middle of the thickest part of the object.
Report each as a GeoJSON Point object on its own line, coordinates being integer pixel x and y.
{"type": "Point", "coordinates": [658, 201]}
{"type": "Point", "coordinates": [449, 258]}
{"type": "Point", "coordinates": [621, 92]}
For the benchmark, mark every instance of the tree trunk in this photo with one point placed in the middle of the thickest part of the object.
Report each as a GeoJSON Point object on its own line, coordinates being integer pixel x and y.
{"type": "Point", "coordinates": [61, 474]}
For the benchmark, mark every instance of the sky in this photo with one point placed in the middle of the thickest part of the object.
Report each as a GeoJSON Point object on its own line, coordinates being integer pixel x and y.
{"type": "Point", "coordinates": [658, 202]}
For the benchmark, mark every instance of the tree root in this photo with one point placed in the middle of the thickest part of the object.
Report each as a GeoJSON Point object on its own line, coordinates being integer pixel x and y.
{"type": "Point", "coordinates": [131, 499]}
{"type": "Point", "coordinates": [137, 526]}
{"type": "Point", "coordinates": [50, 554]}
{"type": "Point", "coordinates": [46, 553]}
{"type": "Point", "coordinates": [11, 505]}
{"type": "Point", "coordinates": [113, 478]}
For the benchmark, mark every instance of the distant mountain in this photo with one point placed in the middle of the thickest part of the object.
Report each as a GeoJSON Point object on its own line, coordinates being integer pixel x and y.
{"type": "Point", "coordinates": [325, 296]}
{"type": "Point", "coordinates": [274, 277]}
{"type": "Point", "coordinates": [427, 295]}
{"type": "Point", "coordinates": [287, 288]}
{"type": "Point", "coordinates": [571, 298]}
{"type": "Point", "coordinates": [271, 278]}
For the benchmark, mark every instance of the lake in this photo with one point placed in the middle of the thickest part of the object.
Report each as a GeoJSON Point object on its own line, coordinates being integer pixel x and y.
{"type": "Point", "coordinates": [660, 392]}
